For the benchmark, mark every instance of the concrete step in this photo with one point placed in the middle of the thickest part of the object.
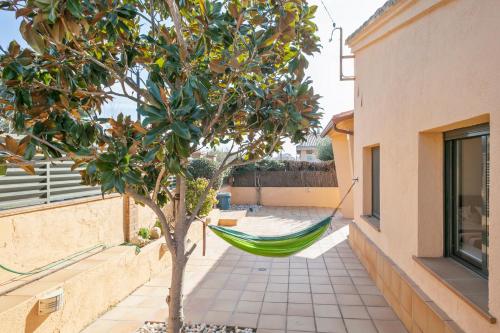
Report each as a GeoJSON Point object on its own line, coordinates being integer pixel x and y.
{"type": "Point", "coordinates": [230, 218]}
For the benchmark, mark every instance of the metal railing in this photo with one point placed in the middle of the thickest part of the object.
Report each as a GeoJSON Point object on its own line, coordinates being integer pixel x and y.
{"type": "Point", "coordinates": [52, 182]}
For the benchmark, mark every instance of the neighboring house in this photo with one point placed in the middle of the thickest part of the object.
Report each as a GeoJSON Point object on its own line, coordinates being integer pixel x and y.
{"type": "Point", "coordinates": [282, 156]}
{"type": "Point", "coordinates": [424, 140]}
{"type": "Point", "coordinates": [308, 149]}
{"type": "Point", "coordinates": [210, 155]}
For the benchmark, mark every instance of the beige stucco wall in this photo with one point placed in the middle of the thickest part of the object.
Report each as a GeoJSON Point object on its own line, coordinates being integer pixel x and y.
{"type": "Point", "coordinates": [91, 287]}
{"type": "Point", "coordinates": [426, 67]}
{"type": "Point", "coordinates": [287, 196]}
{"type": "Point", "coordinates": [343, 145]}
{"type": "Point", "coordinates": [34, 236]}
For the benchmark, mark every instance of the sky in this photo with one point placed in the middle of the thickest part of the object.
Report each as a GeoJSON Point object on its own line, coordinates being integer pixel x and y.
{"type": "Point", "coordinates": [337, 96]}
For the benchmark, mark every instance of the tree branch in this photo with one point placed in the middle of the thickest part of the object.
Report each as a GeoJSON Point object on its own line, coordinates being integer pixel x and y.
{"type": "Point", "coordinates": [176, 18]}
{"type": "Point", "coordinates": [158, 183]}
{"type": "Point", "coordinates": [161, 216]}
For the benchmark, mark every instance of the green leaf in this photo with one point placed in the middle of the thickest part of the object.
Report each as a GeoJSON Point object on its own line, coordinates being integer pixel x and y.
{"type": "Point", "coordinates": [3, 167]}
{"type": "Point", "coordinates": [30, 151]}
{"type": "Point", "coordinates": [151, 154]}
{"type": "Point", "coordinates": [119, 184]}
{"type": "Point", "coordinates": [181, 129]}
{"type": "Point", "coordinates": [133, 177]}
{"type": "Point", "coordinates": [154, 91]}
{"type": "Point", "coordinates": [74, 7]}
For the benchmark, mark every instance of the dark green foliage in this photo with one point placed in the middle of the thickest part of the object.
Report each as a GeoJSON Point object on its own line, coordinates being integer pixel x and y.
{"type": "Point", "coordinates": [325, 150]}
{"type": "Point", "coordinates": [273, 165]}
{"type": "Point", "coordinates": [144, 233]}
{"type": "Point", "coordinates": [204, 168]}
{"type": "Point", "coordinates": [195, 188]}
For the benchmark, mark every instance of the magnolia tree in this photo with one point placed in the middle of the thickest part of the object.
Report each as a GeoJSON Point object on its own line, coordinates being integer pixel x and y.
{"type": "Point", "coordinates": [228, 72]}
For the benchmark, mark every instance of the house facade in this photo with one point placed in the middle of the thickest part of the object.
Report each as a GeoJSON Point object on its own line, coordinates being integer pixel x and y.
{"type": "Point", "coordinates": [308, 149]}
{"type": "Point", "coordinates": [424, 141]}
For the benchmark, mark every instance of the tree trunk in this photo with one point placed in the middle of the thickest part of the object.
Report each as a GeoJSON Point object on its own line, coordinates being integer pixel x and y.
{"type": "Point", "coordinates": [175, 310]}
{"type": "Point", "coordinates": [179, 260]}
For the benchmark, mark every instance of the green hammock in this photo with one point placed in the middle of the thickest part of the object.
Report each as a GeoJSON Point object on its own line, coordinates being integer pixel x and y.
{"type": "Point", "coordinates": [273, 246]}
{"type": "Point", "coordinates": [278, 246]}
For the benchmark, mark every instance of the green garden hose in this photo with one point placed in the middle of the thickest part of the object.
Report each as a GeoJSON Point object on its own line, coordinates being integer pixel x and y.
{"type": "Point", "coordinates": [52, 264]}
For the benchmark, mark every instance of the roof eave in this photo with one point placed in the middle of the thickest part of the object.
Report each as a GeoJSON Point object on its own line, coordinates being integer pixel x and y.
{"type": "Point", "coordinates": [337, 119]}
{"type": "Point", "coordinates": [388, 6]}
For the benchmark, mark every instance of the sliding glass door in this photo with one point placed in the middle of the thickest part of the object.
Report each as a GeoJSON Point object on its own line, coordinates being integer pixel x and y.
{"type": "Point", "coordinates": [466, 196]}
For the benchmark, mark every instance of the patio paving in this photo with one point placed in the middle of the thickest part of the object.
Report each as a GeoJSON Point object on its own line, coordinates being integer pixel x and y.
{"type": "Point", "coordinates": [322, 289]}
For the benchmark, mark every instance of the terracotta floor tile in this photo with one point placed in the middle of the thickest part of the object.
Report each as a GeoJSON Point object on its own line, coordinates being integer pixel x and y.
{"type": "Point", "coordinates": [108, 326]}
{"type": "Point", "coordinates": [340, 280]}
{"type": "Point", "coordinates": [229, 294]}
{"type": "Point", "coordinates": [330, 325]}
{"type": "Point", "coordinates": [224, 305]}
{"type": "Point", "coordinates": [258, 278]}
{"type": "Point", "coordinates": [368, 290]}
{"type": "Point", "coordinates": [359, 326]}
{"type": "Point", "coordinates": [324, 299]}
{"type": "Point", "coordinates": [374, 300]}
{"type": "Point", "coordinates": [274, 308]}
{"type": "Point", "coordinates": [278, 279]}
{"type": "Point", "coordinates": [299, 288]}
{"type": "Point", "coordinates": [256, 286]}
{"type": "Point", "coordinates": [318, 272]}
{"type": "Point", "coordinates": [295, 309]}
{"type": "Point", "coordinates": [338, 272]}
{"type": "Point", "coordinates": [300, 323]}
{"type": "Point", "coordinates": [347, 299]}
{"type": "Point", "coordinates": [252, 296]}
{"type": "Point", "coordinates": [298, 272]}
{"type": "Point", "coordinates": [390, 326]}
{"type": "Point", "coordinates": [206, 293]}
{"type": "Point", "coordinates": [279, 271]}
{"type": "Point", "coordinates": [272, 322]}
{"type": "Point", "coordinates": [299, 279]}
{"type": "Point", "coordinates": [244, 319]}
{"type": "Point", "coordinates": [217, 317]}
{"type": "Point", "coordinates": [248, 307]}
{"type": "Point", "coordinates": [319, 280]}
{"type": "Point", "coordinates": [277, 287]}
{"type": "Point", "coordinates": [299, 298]}
{"type": "Point", "coordinates": [275, 297]}
{"type": "Point", "coordinates": [326, 311]}
{"type": "Point", "coordinates": [345, 289]}
{"type": "Point", "coordinates": [321, 289]}
{"type": "Point", "coordinates": [357, 273]}
{"type": "Point", "coordinates": [354, 312]}
{"type": "Point", "coordinates": [382, 313]}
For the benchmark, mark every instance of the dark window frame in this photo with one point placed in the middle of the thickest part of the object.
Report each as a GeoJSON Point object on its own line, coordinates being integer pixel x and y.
{"type": "Point", "coordinates": [375, 180]}
{"type": "Point", "coordinates": [451, 141]}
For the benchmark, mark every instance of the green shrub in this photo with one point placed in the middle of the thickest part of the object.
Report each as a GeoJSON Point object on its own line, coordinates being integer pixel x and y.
{"type": "Point", "coordinates": [144, 233]}
{"type": "Point", "coordinates": [273, 165]}
{"type": "Point", "coordinates": [204, 168]}
{"type": "Point", "coordinates": [194, 191]}
{"type": "Point", "coordinates": [325, 150]}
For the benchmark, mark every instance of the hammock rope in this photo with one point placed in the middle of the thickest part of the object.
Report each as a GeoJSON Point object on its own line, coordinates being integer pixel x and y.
{"type": "Point", "coordinates": [279, 246]}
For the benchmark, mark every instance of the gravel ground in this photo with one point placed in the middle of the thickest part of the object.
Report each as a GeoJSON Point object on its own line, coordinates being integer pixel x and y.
{"type": "Point", "coordinates": [160, 327]}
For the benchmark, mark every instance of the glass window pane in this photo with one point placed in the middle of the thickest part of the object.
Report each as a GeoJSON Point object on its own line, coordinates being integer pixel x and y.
{"type": "Point", "coordinates": [376, 182]}
{"type": "Point", "coordinates": [468, 199]}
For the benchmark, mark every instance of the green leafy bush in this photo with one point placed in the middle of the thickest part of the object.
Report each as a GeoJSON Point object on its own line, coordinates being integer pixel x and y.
{"type": "Point", "coordinates": [273, 165]}
{"type": "Point", "coordinates": [195, 189]}
{"type": "Point", "coordinates": [325, 150]}
{"type": "Point", "coordinates": [205, 168]}
{"type": "Point", "coordinates": [144, 233]}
